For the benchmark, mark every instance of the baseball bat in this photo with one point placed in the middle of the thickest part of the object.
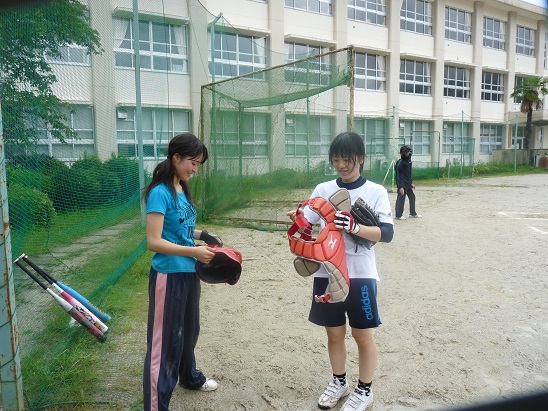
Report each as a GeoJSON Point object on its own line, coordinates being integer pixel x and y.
{"type": "Point", "coordinates": [99, 314]}
{"type": "Point", "coordinates": [72, 301]}
{"type": "Point", "coordinates": [66, 306]}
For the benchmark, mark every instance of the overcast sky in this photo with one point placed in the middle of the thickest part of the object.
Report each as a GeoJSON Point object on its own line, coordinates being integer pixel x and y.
{"type": "Point", "coordinates": [542, 3]}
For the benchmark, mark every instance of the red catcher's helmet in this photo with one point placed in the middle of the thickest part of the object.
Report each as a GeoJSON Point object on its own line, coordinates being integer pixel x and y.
{"type": "Point", "coordinates": [224, 267]}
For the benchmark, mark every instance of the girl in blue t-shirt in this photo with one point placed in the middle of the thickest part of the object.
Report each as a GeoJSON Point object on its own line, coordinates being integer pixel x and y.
{"type": "Point", "coordinates": [174, 288]}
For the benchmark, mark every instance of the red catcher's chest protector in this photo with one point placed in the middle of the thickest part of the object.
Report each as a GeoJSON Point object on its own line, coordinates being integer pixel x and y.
{"type": "Point", "coordinates": [327, 249]}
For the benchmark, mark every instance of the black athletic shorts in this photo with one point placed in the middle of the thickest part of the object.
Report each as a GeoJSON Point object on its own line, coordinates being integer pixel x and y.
{"type": "Point", "coordinates": [360, 306]}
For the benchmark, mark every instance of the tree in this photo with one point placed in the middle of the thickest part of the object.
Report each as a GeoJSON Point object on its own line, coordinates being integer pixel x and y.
{"type": "Point", "coordinates": [531, 92]}
{"type": "Point", "coordinates": [27, 35]}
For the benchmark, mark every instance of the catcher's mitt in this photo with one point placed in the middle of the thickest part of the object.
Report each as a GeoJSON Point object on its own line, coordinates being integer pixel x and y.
{"type": "Point", "coordinates": [364, 215]}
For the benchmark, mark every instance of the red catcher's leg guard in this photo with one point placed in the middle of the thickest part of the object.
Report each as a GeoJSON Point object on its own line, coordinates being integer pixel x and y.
{"type": "Point", "coordinates": [327, 249]}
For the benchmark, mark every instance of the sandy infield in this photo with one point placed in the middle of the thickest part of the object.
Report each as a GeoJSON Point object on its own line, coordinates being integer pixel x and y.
{"type": "Point", "coordinates": [463, 298]}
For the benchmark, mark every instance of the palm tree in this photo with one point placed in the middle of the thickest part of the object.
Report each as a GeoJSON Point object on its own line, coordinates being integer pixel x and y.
{"type": "Point", "coordinates": [530, 92]}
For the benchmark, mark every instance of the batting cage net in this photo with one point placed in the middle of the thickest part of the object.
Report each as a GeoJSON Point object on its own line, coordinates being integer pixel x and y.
{"type": "Point", "coordinates": [269, 132]}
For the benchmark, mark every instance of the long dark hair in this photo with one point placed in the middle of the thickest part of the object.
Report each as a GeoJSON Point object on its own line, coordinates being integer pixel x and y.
{"type": "Point", "coordinates": [187, 145]}
{"type": "Point", "coordinates": [347, 144]}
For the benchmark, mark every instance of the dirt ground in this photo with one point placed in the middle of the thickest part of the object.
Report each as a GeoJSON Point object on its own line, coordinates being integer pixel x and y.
{"type": "Point", "coordinates": [463, 298]}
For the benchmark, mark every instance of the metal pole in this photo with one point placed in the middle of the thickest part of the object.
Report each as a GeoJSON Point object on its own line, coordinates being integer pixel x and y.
{"type": "Point", "coordinates": [352, 89]}
{"type": "Point", "coordinates": [138, 108]}
{"type": "Point", "coordinates": [461, 142]}
{"type": "Point", "coordinates": [213, 136]}
{"type": "Point", "coordinates": [516, 144]}
{"type": "Point", "coordinates": [11, 380]}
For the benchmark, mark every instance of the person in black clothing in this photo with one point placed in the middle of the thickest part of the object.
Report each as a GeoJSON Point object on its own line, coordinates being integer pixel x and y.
{"type": "Point", "coordinates": [404, 182]}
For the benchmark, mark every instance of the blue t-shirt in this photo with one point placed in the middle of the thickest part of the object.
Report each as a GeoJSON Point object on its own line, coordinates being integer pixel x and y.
{"type": "Point", "coordinates": [179, 225]}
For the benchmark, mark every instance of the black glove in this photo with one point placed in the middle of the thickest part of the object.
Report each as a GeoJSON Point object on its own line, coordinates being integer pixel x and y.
{"type": "Point", "coordinates": [364, 215]}
{"type": "Point", "coordinates": [210, 238]}
{"type": "Point", "coordinates": [345, 221]}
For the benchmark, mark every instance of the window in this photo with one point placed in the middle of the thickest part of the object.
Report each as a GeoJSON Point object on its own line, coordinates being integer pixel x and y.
{"type": "Point", "coordinates": [456, 82]}
{"type": "Point", "coordinates": [415, 77]}
{"type": "Point", "coordinates": [369, 72]}
{"type": "Point", "coordinates": [545, 50]}
{"type": "Point", "coordinates": [525, 41]}
{"type": "Point", "coordinates": [163, 47]}
{"type": "Point", "coordinates": [314, 6]}
{"type": "Point", "coordinates": [517, 81]}
{"type": "Point", "coordinates": [416, 16]}
{"type": "Point", "coordinates": [307, 136]}
{"type": "Point", "coordinates": [237, 54]}
{"type": "Point", "coordinates": [458, 25]}
{"type": "Point", "coordinates": [71, 54]}
{"type": "Point", "coordinates": [159, 127]}
{"type": "Point", "coordinates": [313, 71]}
{"type": "Point", "coordinates": [254, 135]}
{"type": "Point", "coordinates": [492, 86]}
{"type": "Point", "coordinates": [493, 33]}
{"type": "Point", "coordinates": [374, 132]}
{"type": "Point", "coordinates": [418, 133]}
{"type": "Point", "coordinates": [368, 11]}
{"type": "Point", "coordinates": [520, 137]}
{"type": "Point", "coordinates": [490, 138]}
{"type": "Point", "coordinates": [456, 138]}
{"type": "Point", "coordinates": [79, 120]}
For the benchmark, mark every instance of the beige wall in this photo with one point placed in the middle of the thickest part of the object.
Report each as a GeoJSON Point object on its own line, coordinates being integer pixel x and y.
{"type": "Point", "coordinates": [106, 87]}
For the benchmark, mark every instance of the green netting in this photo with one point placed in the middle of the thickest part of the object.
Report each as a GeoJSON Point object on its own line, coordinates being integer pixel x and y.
{"type": "Point", "coordinates": [271, 129]}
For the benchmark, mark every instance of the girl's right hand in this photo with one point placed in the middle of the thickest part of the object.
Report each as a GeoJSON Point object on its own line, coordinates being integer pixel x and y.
{"type": "Point", "coordinates": [291, 214]}
{"type": "Point", "coordinates": [204, 254]}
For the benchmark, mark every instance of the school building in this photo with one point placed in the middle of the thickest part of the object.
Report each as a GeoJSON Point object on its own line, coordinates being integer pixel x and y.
{"type": "Point", "coordinates": [437, 74]}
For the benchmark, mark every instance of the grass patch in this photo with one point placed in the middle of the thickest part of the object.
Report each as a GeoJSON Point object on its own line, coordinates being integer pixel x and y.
{"type": "Point", "coordinates": [64, 362]}
{"type": "Point", "coordinates": [65, 228]}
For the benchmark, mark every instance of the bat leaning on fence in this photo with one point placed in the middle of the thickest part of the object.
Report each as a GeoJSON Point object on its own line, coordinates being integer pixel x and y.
{"type": "Point", "coordinates": [65, 305]}
{"type": "Point", "coordinates": [99, 314]}
{"type": "Point", "coordinates": [92, 318]}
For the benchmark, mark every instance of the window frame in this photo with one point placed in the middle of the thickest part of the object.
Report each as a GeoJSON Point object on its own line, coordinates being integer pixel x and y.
{"type": "Point", "coordinates": [299, 139]}
{"type": "Point", "coordinates": [458, 84]}
{"type": "Point", "coordinates": [494, 89]}
{"type": "Point", "coordinates": [149, 53]}
{"type": "Point", "coordinates": [419, 135]}
{"type": "Point", "coordinates": [460, 139]}
{"type": "Point", "coordinates": [369, 75]}
{"type": "Point", "coordinates": [413, 78]}
{"type": "Point", "coordinates": [317, 70]}
{"type": "Point", "coordinates": [491, 136]}
{"type": "Point", "coordinates": [460, 31]}
{"type": "Point", "coordinates": [373, 131]}
{"type": "Point", "coordinates": [155, 138]}
{"type": "Point", "coordinates": [235, 141]}
{"type": "Point", "coordinates": [525, 43]}
{"type": "Point", "coordinates": [236, 59]}
{"type": "Point", "coordinates": [66, 50]}
{"type": "Point", "coordinates": [494, 37]}
{"type": "Point", "coordinates": [415, 20]}
{"type": "Point", "coordinates": [323, 7]}
{"type": "Point", "coordinates": [367, 11]}
{"type": "Point", "coordinates": [47, 144]}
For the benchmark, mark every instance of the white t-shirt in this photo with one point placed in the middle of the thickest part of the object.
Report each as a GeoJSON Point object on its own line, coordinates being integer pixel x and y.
{"type": "Point", "coordinates": [360, 263]}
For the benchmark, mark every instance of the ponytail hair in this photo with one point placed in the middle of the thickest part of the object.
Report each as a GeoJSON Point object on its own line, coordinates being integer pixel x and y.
{"type": "Point", "coordinates": [187, 145]}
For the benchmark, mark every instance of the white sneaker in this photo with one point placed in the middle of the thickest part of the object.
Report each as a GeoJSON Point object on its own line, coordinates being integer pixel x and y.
{"type": "Point", "coordinates": [359, 400]}
{"type": "Point", "coordinates": [209, 385]}
{"type": "Point", "coordinates": [415, 216]}
{"type": "Point", "coordinates": [332, 394]}
{"type": "Point", "coordinates": [401, 218]}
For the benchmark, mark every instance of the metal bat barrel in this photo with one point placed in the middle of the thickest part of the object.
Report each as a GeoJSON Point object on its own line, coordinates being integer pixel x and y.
{"type": "Point", "coordinates": [66, 306]}
{"type": "Point", "coordinates": [84, 301]}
